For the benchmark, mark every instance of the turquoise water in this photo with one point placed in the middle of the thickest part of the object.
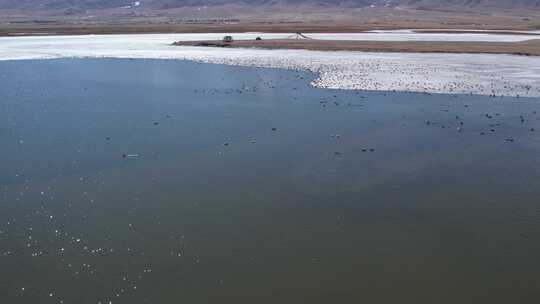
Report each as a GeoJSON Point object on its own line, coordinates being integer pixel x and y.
{"type": "Point", "coordinates": [147, 181]}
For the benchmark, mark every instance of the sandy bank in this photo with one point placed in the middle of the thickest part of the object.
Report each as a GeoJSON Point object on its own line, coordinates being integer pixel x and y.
{"type": "Point", "coordinates": [529, 47]}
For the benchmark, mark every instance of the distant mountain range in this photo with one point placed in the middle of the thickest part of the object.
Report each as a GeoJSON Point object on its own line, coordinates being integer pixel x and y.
{"type": "Point", "coordinates": [167, 4]}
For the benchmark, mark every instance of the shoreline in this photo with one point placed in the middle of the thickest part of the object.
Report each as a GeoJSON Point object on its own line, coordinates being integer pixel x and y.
{"type": "Point", "coordinates": [524, 48]}
{"type": "Point", "coordinates": [480, 74]}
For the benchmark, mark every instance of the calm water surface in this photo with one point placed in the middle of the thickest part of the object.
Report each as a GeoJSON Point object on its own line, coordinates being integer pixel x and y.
{"type": "Point", "coordinates": [146, 181]}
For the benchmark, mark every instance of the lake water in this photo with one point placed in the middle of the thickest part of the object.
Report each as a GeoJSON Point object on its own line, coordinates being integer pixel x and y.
{"type": "Point", "coordinates": [155, 181]}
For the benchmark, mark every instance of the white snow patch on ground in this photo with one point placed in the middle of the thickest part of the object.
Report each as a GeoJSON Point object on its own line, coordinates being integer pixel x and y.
{"type": "Point", "coordinates": [505, 75]}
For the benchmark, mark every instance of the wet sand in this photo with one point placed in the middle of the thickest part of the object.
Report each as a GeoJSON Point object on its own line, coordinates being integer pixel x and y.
{"type": "Point", "coordinates": [528, 48]}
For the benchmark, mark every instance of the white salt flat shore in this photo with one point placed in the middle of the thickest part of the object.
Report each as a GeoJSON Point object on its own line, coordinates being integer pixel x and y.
{"type": "Point", "coordinates": [501, 75]}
